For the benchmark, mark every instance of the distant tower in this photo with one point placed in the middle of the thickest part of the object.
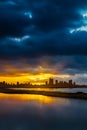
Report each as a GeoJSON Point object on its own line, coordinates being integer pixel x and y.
{"type": "Point", "coordinates": [50, 81]}
{"type": "Point", "coordinates": [46, 83]}
{"type": "Point", "coordinates": [56, 82]}
{"type": "Point", "coordinates": [17, 83]}
{"type": "Point", "coordinates": [70, 83]}
{"type": "Point", "coordinates": [3, 82]}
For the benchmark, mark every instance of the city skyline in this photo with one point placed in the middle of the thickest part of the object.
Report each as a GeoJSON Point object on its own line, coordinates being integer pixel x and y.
{"type": "Point", "coordinates": [48, 83]}
{"type": "Point", "coordinates": [41, 81]}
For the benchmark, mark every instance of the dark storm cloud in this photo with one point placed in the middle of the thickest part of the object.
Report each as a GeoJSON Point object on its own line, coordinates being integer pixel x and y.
{"type": "Point", "coordinates": [47, 23]}
{"type": "Point", "coordinates": [46, 45]}
{"type": "Point", "coordinates": [47, 16]}
{"type": "Point", "coordinates": [12, 22]}
{"type": "Point", "coordinates": [48, 20]}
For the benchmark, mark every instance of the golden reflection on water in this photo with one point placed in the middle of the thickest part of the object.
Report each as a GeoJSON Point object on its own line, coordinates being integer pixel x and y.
{"type": "Point", "coordinates": [27, 97]}
{"type": "Point", "coordinates": [30, 97]}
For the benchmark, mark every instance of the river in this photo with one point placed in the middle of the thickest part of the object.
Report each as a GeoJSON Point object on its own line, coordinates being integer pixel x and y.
{"type": "Point", "coordinates": [36, 112]}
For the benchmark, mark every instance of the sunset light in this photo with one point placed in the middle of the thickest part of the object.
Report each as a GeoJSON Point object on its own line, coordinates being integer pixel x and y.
{"type": "Point", "coordinates": [32, 78]}
{"type": "Point", "coordinates": [39, 98]}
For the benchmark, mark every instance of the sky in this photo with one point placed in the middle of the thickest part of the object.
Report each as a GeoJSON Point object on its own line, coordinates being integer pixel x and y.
{"type": "Point", "coordinates": [40, 39]}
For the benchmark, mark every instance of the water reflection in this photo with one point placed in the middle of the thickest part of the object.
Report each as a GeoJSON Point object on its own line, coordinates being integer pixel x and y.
{"type": "Point", "coordinates": [71, 90]}
{"type": "Point", "coordinates": [26, 97]}
{"type": "Point", "coordinates": [30, 97]}
{"type": "Point", "coordinates": [33, 112]}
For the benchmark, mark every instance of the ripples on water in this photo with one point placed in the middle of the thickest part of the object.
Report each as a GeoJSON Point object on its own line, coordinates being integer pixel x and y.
{"type": "Point", "coordinates": [34, 112]}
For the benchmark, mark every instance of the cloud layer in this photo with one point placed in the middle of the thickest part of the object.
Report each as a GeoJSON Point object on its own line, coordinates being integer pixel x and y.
{"type": "Point", "coordinates": [52, 32]}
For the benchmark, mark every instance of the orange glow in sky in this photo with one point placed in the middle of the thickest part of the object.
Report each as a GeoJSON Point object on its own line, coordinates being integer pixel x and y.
{"type": "Point", "coordinates": [39, 76]}
{"type": "Point", "coordinates": [34, 79]}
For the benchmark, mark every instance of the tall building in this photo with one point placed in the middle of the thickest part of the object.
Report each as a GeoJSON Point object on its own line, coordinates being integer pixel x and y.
{"type": "Point", "coordinates": [56, 82]}
{"type": "Point", "coordinates": [46, 83]}
{"type": "Point", "coordinates": [70, 83]}
{"type": "Point", "coordinates": [51, 81]}
{"type": "Point", "coordinates": [17, 83]}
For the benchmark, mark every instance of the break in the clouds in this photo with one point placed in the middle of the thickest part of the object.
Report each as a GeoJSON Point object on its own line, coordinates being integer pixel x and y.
{"type": "Point", "coordinates": [44, 31]}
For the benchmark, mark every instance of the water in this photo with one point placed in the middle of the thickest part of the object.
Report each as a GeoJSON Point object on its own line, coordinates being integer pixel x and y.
{"type": "Point", "coordinates": [71, 90]}
{"type": "Point", "coordinates": [33, 112]}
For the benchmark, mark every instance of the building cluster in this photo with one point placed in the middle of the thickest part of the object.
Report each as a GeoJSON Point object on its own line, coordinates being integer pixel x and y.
{"type": "Point", "coordinates": [12, 85]}
{"type": "Point", "coordinates": [56, 83]}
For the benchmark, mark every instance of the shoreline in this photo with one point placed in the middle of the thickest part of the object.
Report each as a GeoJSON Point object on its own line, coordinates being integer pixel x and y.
{"type": "Point", "coordinates": [78, 95]}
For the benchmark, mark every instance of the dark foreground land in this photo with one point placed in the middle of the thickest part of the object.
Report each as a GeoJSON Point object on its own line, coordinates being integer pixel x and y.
{"type": "Point", "coordinates": [78, 95]}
